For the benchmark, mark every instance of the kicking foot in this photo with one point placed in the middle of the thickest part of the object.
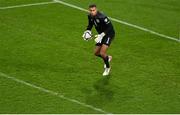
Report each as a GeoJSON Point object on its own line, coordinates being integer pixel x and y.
{"type": "Point", "coordinates": [110, 58]}
{"type": "Point", "coordinates": [106, 71]}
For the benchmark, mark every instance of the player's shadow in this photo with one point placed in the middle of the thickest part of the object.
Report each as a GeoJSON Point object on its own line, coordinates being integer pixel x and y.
{"type": "Point", "coordinates": [101, 94]}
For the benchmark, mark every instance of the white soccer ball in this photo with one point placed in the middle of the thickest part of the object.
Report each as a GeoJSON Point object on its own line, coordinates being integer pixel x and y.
{"type": "Point", "coordinates": [87, 35]}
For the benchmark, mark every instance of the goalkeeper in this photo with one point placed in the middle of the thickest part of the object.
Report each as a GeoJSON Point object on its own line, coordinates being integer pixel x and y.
{"type": "Point", "coordinates": [105, 35]}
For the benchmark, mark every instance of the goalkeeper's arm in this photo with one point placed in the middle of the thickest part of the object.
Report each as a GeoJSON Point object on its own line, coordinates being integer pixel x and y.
{"type": "Point", "coordinates": [90, 24]}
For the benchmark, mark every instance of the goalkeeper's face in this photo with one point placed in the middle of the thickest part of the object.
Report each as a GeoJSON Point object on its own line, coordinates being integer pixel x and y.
{"type": "Point", "coordinates": [93, 11]}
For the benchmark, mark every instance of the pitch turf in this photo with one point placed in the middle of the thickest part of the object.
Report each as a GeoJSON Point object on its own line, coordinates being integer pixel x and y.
{"type": "Point", "coordinates": [42, 45]}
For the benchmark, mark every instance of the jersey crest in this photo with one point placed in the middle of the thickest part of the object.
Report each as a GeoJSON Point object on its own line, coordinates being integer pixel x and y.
{"type": "Point", "coordinates": [97, 20]}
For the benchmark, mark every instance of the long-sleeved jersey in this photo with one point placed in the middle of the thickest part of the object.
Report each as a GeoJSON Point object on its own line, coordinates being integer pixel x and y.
{"type": "Point", "coordinates": [101, 23]}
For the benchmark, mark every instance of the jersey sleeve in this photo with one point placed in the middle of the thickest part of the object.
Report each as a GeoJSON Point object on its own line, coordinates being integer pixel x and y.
{"type": "Point", "coordinates": [108, 25]}
{"type": "Point", "coordinates": [90, 23]}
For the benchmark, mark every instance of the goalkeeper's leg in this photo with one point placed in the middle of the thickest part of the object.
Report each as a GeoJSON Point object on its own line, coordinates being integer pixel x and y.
{"type": "Point", "coordinates": [97, 51]}
{"type": "Point", "coordinates": [100, 51]}
{"type": "Point", "coordinates": [103, 53]}
{"type": "Point", "coordinates": [106, 59]}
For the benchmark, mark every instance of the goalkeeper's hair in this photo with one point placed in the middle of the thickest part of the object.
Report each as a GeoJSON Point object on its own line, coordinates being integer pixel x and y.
{"type": "Point", "coordinates": [92, 5]}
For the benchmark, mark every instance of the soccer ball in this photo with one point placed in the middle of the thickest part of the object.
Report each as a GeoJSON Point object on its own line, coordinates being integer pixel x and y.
{"type": "Point", "coordinates": [87, 35]}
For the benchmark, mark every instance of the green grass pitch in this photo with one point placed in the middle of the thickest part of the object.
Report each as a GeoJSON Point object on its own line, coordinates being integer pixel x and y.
{"type": "Point", "coordinates": [42, 45]}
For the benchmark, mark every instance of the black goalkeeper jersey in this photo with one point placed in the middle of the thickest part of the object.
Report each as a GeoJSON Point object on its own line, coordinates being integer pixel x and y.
{"type": "Point", "coordinates": [101, 23]}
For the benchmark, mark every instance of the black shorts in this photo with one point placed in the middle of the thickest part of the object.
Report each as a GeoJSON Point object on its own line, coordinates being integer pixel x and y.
{"type": "Point", "coordinates": [106, 40]}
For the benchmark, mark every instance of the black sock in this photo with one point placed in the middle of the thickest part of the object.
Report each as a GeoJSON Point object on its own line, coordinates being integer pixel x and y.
{"type": "Point", "coordinates": [106, 61]}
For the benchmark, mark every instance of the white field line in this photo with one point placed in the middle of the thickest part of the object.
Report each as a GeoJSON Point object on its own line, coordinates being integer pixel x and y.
{"type": "Point", "coordinates": [52, 93]}
{"type": "Point", "coordinates": [122, 22]}
{"type": "Point", "coordinates": [26, 5]}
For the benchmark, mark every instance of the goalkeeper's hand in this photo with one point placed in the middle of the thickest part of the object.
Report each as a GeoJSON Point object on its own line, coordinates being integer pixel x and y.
{"type": "Point", "coordinates": [99, 37]}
